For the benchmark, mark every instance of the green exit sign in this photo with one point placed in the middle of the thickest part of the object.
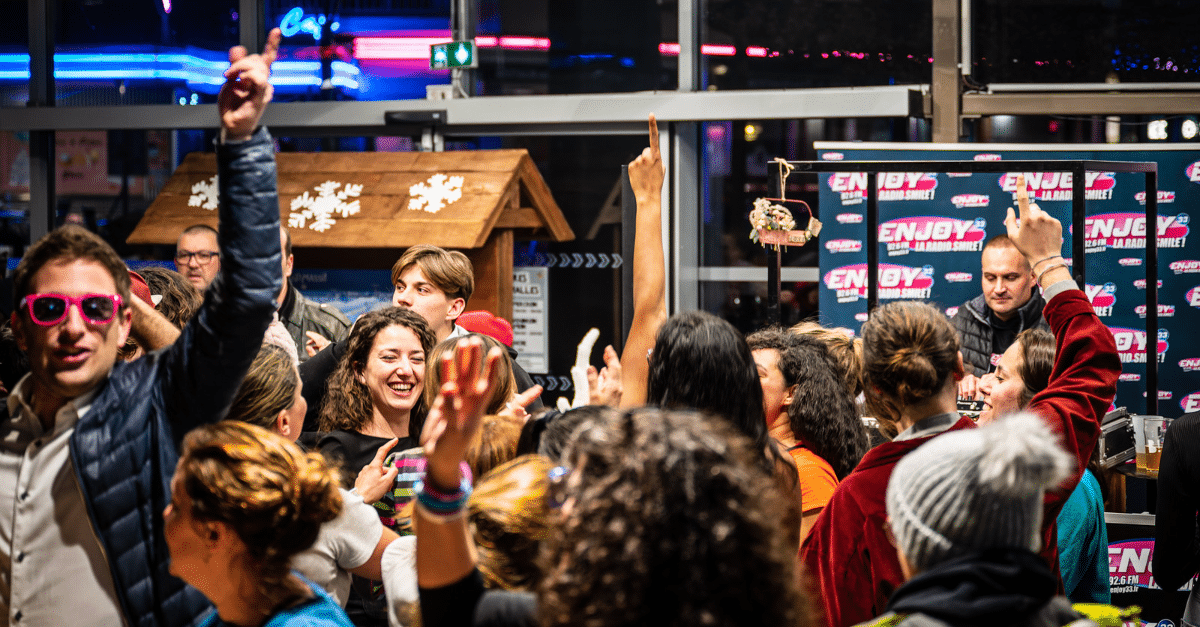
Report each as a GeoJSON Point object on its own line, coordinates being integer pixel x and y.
{"type": "Point", "coordinates": [452, 54]}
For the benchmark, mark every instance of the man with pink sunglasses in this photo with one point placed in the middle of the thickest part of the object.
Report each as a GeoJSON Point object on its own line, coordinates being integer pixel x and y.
{"type": "Point", "coordinates": [88, 445]}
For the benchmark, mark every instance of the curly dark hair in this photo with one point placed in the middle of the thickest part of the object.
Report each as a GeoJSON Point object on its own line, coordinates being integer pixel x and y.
{"type": "Point", "coordinates": [673, 523]}
{"type": "Point", "coordinates": [347, 402]}
{"type": "Point", "coordinates": [822, 413]}
{"type": "Point", "coordinates": [702, 362]}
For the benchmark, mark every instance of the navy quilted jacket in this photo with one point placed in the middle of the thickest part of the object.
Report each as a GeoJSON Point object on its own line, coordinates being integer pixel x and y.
{"type": "Point", "coordinates": [125, 448]}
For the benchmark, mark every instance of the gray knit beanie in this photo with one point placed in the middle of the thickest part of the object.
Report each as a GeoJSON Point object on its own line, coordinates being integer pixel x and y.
{"type": "Point", "coordinates": [976, 489]}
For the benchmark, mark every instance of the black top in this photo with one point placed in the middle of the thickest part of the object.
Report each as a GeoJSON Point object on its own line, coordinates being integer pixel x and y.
{"type": "Point", "coordinates": [1175, 542]}
{"type": "Point", "coordinates": [354, 451]}
{"type": "Point", "coordinates": [465, 602]}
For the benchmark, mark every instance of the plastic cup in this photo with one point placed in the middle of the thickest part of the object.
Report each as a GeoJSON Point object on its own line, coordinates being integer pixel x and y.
{"type": "Point", "coordinates": [1148, 434]}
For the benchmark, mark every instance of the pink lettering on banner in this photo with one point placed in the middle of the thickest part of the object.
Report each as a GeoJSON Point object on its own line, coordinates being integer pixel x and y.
{"type": "Point", "coordinates": [1185, 266]}
{"type": "Point", "coordinates": [843, 246]}
{"type": "Point", "coordinates": [1129, 376]}
{"type": "Point", "coordinates": [1193, 172]}
{"type": "Point", "coordinates": [1131, 344]}
{"type": "Point", "coordinates": [959, 277]}
{"type": "Point", "coordinates": [1190, 403]}
{"type": "Point", "coordinates": [1130, 261]}
{"type": "Point", "coordinates": [951, 312]}
{"type": "Point", "coordinates": [1191, 364]}
{"type": "Point", "coordinates": [895, 282]}
{"type": "Point", "coordinates": [852, 186]}
{"type": "Point", "coordinates": [963, 201]}
{"type": "Point", "coordinates": [1164, 311]}
{"type": "Point", "coordinates": [1141, 283]}
{"type": "Point", "coordinates": [1128, 231]}
{"type": "Point", "coordinates": [1102, 297]}
{"type": "Point", "coordinates": [995, 360]}
{"type": "Point", "coordinates": [1193, 296]}
{"type": "Point", "coordinates": [1046, 186]}
{"type": "Point", "coordinates": [849, 218]}
{"type": "Point", "coordinates": [987, 157]}
{"type": "Point", "coordinates": [1163, 195]}
{"type": "Point", "coordinates": [932, 234]}
{"type": "Point", "coordinates": [1129, 565]}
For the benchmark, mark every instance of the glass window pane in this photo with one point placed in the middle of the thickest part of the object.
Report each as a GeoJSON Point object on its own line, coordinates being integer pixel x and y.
{"type": "Point", "coordinates": [105, 180]}
{"type": "Point", "coordinates": [765, 44]}
{"type": "Point", "coordinates": [118, 52]}
{"type": "Point", "coordinates": [1127, 42]}
{"type": "Point", "coordinates": [14, 54]}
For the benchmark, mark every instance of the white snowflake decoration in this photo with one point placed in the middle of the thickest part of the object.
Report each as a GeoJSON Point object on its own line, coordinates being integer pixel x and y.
{"type": "Point", "coordinates": [316, 212]}
{"type": "Point", "coordinates": [204, 194]}
{"type": "Point", "coordinates": [433, 195]}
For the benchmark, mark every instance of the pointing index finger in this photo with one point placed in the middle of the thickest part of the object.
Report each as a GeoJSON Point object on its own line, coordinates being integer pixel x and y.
{"type": "Point", "coordinates": [1022, 196]}
{"type": "Point", "coordinates": [654, 137]}
{"type": "Point", "coordinates": [271, 48]}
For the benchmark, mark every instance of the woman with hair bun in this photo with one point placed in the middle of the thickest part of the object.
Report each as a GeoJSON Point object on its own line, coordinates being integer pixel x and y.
{"type": "Point", "coordinates": [244, 501]}
{"type": "Point", "coordinates": [911, 365]}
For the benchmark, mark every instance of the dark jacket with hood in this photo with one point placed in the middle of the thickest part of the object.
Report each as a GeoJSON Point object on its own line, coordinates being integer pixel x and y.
{"type": "Point", "coordinates": [997, 588]}
{"type": "Point", "coordinates": [124, 449]}
{"type": "Point", "coordinates": [975, 331]}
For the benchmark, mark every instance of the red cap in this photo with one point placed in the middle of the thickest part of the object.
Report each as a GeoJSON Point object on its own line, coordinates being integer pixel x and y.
{"type": "Point", "coordinates": [484, 322]}
{"type": "Point", "coordinates": [138, 286]}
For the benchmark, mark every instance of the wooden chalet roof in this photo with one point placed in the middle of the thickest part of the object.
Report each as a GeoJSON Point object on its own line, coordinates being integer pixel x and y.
{"type": "Point", "coordinates": [377, 199]}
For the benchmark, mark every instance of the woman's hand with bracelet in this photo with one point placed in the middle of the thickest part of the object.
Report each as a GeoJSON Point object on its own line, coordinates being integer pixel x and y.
{"type": "Point", "coordinates": [1038, 236]}
{"type": "Point", "coordinates": [456, 414]}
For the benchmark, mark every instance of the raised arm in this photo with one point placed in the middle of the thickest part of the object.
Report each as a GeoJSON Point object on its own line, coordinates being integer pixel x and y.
{"type": "Point", "coordinates": [445, 551]}
{"type": "Point", "coordinates": [1086, 364]}
{"type": "Point", "coordinates": [649, 271]}
{"type": "Point", "coordinates": [206, 365]}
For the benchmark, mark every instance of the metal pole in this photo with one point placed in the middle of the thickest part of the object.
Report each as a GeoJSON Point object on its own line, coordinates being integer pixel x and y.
{"type": "Point", "coordinates": [690, 17]}
{"type": "Point", "coordinates": [1152, 293]}
{"type": "Point", "coordinates": [947, 79]}
{"type": "Point", "coordinates": [251, 25]}
{"type": "Point", "coordinates": [1078, 220]}
{"type": "Point", "coordinates": [42, 195]}
{"type": "Point", "coordinates": [464, 18]}
{"type": "Point", "coordinates": [872, 243]}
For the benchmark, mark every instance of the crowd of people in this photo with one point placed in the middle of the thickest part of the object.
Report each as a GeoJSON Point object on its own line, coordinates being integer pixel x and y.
{"type": "Point", "coordinates": [253, 458]}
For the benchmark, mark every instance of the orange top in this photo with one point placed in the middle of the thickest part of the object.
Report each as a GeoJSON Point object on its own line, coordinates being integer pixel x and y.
{"type": "Point", "coordinates": [817, 480]}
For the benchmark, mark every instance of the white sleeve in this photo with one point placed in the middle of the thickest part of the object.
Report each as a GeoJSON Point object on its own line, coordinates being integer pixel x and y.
{"type": "Point", "coordinates": [399, 566]}
{"type": "Point", "coordinates": [355, 533]}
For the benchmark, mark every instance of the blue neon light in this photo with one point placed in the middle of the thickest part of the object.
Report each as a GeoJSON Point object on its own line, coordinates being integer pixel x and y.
{"type": "Point", "coordinates": [201, 75]}
{"type": "Point", "coordinates": [295, 22]}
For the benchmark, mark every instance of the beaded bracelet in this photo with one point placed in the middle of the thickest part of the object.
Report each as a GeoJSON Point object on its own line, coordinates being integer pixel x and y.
{"type": "Point", "coordinates": [1035, 264]}
{"type": "Point", "coordinates": [1053, 267]}
{"type": "Point", "coordinates": [444, 506]}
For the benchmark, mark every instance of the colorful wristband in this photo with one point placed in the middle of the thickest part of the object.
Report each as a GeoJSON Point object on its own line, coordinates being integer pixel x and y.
{"type": "Point", "coordinates": [443, 505]}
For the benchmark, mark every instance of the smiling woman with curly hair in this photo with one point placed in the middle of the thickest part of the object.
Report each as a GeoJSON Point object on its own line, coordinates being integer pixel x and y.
{"type": "Point", "coordinates": [667, 518]}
